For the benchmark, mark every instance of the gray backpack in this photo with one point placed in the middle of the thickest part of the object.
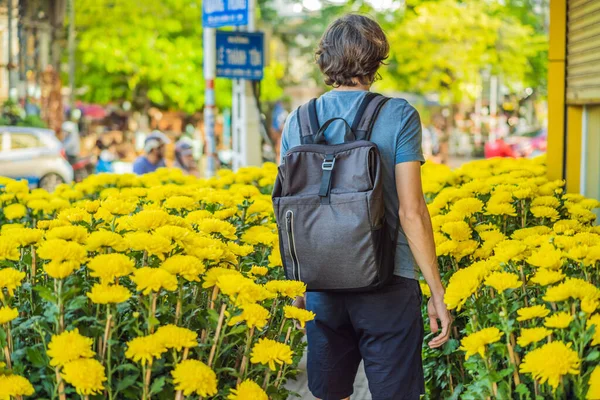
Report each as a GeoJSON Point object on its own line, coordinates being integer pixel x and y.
{"type": "Point", "coordinates": [328, 202]}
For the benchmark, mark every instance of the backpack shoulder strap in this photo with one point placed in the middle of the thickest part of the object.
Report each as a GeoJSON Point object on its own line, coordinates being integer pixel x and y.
{"type": "Point", "coordinates": [366, 120]}
{"type": "Point", "coordinates": [308, 121]}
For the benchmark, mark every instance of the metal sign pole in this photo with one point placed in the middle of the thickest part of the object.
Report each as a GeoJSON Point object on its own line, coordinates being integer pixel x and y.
{"type": "Point", "coordinates": [210, 71]}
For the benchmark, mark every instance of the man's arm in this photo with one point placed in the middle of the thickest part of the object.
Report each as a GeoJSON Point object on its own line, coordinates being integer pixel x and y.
{"type": "Point", "coordinates": [416, 223]}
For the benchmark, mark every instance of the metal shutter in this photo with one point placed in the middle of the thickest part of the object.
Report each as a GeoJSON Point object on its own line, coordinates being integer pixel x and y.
{"type": "Point", "coordinates": [583, 51]}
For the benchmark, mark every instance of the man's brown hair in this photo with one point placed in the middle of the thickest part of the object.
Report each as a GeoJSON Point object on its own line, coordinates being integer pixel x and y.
{"type": "Point", "coordinates": [353, 46]}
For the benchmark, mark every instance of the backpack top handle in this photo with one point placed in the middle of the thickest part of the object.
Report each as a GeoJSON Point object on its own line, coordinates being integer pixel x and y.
{"type": "Point", "coordinates": [368, 110]}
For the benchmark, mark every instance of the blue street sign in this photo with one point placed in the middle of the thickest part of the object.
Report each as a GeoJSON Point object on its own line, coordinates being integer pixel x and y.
{"type": "Point", "coordinates": [218, 13]}
{"type": "Point", "coordinates": [240, 55]}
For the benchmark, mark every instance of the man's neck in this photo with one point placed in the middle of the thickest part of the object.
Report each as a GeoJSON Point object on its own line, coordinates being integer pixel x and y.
{"type": "Point", "coordinates": [357, 87]}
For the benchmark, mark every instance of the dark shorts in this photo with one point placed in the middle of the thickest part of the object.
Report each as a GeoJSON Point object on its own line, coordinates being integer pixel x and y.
{"type": "Point", "coordinates": [384, 328]}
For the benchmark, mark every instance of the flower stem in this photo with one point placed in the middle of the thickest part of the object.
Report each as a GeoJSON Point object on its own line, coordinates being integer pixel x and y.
{"type": "Point", "coordinates": [179, 301]}
{"type": "Point", "coordinates": [249, 337]}
{"type": "Point", "coordinates": [213, 349]}
{"type": "Point", "coordinates": [107, 345]}
{"type": "Point", "coordinates": [152, 312]}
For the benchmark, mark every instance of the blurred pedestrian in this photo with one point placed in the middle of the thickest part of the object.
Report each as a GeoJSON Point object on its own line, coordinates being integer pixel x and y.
{"type": "Point", "coordinates": [184, 157]}
{"type": "Point", "coordinates": [106, 157]}
{"type": "Point", "coordinates": [154, 157]}
{"type": "Point", "coordinates": [70, 140]}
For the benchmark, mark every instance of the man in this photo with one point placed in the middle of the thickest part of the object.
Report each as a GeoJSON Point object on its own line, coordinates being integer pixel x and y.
{"type": "Point", "coordinates": [70, 140]}
{"type": "Point", "coordinates": [184, 157]}
{"type": "Point", "coordinates": [154, 147]}
{"type": "Point", "coordinates": [384, 327]}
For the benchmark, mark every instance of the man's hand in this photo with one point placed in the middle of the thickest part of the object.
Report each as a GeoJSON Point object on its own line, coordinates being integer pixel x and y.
{"type": "Point", "coordinates": [436, 309]}
{"type": "Point", "coordinates": [300, 302]}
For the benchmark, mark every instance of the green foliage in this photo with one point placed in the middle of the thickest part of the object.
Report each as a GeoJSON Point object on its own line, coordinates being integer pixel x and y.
{"type": "Point", "coordinates": [145, 52]}
{"type": "Point", "coordinates": [149, 53]}
{"type": "Point", "coordinates": [442, 46]}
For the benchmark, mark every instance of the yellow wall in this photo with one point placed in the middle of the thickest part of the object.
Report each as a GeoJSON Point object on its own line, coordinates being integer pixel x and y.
{"type": "Point", "coordinates": [556, 89]}
{"type": "Point", "coordinates": [573, 150]}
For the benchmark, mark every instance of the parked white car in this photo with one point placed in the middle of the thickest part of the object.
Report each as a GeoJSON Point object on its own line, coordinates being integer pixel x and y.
{"type": "Point", "coordinates": [35, 155]}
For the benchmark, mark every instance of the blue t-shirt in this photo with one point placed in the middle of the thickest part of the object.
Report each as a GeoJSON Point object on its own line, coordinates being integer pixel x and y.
{"type": "Point", "coordinates": [143, 166]}
{"type": "Point", "coordinates": [397, 134]}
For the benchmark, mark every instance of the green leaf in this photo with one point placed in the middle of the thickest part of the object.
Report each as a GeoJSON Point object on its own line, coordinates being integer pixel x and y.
{"type": "Point", "coordinates": [35, 357]}
{"type": "Point", "coordinates": [127, 381]}
{"type": "Point", "coordinates": [593, 356]}
{"type": "Point", "coordinates": [236, 330]}
{"type": "Point", "coordinates": [46, 294]}
{"type": "Point", "coordinates": [157, 385]}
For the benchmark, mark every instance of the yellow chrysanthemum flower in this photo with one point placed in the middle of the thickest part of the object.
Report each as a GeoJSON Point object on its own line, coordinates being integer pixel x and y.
{"type": "Point", "coordinates": [144, 349]}
{"type": "Point", "coordinates": [545, 277]}
{"type": "Point", "coordinates": [76, 234]}
{"type": "Point", "coordinates": [546, 257]}
{"type": "Point", "coordinates": [502, 281]}
{"type": "Point", "coordinates": [188, 267]}
{"type": "Point", "coordinates": [148, 220]}
{"type": "Point", "coordinates": [589, 305]}
{"type": "Point", "coordinates": [101, 239]}
{"type": "Point", "coordinates": [567, 226]}
{"type": "Point", "coordinates": [260, 271]}
{"type": "Point", "coordinates": [25, 236]}
{"type": "Point", "coordinates": [247, 390]}
{"type": "Point", "coordinates": [572, 288]}
{"type": "Point", "coordinates": [7, 314]}
{"type": "Point", "coordinates": [253, 315]}
{"type": "Point", "coordinates": [193, 376]}
{"type": "Point", "coordinates": [242, 290]}
{"type": "Point", "coordinates": [468, 206]}
{"type": "Point", "coordinates": [108, 294]}
{"type": "Point", "coordinates": [551, 362]}
{"type": "Point", "coordinates": [240, 250]}
{"type": "Point", "coordinates": [59, 250]}
{"type": "Point", "coordinates": [10, 279]}
{"type": "Point", "coordinates": [213, 225]}
{"type": "Point", "coordinates": [594, 321]}
{"type": "Point", "coordinates": [500, 209]}
{"type": "Point", "coordinates": [69, 346]}
{"type": "Point", "coordinates": [86, 375]}
{"type": "Point", "coordinates": [547, 201]}
{"type": "Point", "coordinates": [291, 289]}
{"type": "Point", "coordinates": [267, 351]}
{"type": "Point", "coordinates": [475, 343]}
{"type": "Point", "coordinates": [302, 316]}
{"type": "Point", "coordinates": [560, 320]}
{"type": "Point", "coordinates": [107, 267]}
{"type": "Point", "coordinates": [275, 258]}
{"type": "Point", "coordinates": [117, 206]}
{"type": "Point", "coordinates": [260, 235]}
{"type": "Point", "coordinates": [60, 269]}
{"type": "Point", "coordinates": [153, 280]}
{"type": "Point", "coordinates": [14, 386]}
{"type": "Point", "coordinates": [175, 337]}
{"type": "Point", "coordinates": [73, 215]}
{"type": "Point", "coordinates": [152, 244]}
{"type": "Point", "coordinates": [180, 203]}
{"type": "Point", "coordinates": [15, 211]}
{"type": "Point", "coordinates": [457, 231]}
{"type": "Point", "coordinates": [527, 313]}
{"type": "Point", "coordinates": [532, 335]}
{"type": "Point", "coordinates": [9, 249]}
{"type": "Point", "coordinates": [594, 390]}
{"type": "Point", "coordinates": [213, 274]}
{"type": "Point", "coordinates": [509, 250]}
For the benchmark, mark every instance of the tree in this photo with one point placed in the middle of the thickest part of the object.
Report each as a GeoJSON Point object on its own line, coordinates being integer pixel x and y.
{"type": "Point", "coordinates": [442, 46]}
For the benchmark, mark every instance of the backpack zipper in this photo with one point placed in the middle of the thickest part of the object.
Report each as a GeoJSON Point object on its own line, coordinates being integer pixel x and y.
{"type": "Point", "coordinates": [289, 216]}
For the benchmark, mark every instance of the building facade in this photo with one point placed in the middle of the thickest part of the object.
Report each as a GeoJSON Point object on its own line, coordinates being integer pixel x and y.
{"type": "Point", "coordinates": [574, 95]}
